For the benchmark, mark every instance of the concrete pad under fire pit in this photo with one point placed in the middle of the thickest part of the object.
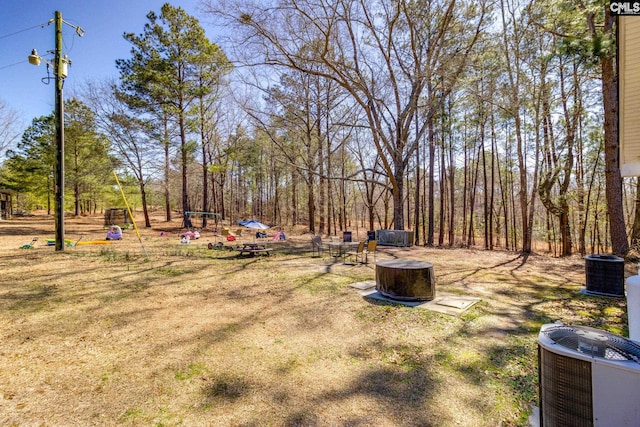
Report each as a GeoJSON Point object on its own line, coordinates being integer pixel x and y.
{"type": "Point", "coordinates": [368, 284]}
{"type": "Point", "coordinates": [453, 305]}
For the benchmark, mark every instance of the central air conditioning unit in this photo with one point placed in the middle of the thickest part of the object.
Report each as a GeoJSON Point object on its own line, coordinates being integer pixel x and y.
{"type": "Point", "coordinates": [587, 377]}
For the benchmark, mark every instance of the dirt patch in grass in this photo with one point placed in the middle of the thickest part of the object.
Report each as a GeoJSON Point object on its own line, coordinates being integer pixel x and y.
{"type": "Point", "coordinates": [174, 334]}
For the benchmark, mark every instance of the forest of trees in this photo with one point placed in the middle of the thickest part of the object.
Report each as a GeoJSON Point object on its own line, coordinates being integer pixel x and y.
{"type": "Point", "coordinates": [479, 123]}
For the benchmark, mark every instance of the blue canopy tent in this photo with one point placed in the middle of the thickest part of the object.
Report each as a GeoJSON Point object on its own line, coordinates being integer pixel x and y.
{"type": "Point", "coordinates": [256, 225]}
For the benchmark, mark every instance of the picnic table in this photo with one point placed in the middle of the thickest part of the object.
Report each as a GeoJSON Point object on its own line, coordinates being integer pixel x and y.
{"type": "Point", "coordinates": [253, 248]}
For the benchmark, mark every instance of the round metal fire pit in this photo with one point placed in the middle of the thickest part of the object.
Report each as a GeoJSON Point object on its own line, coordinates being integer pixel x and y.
{"type": "Point", "coordinates": [406, 279]}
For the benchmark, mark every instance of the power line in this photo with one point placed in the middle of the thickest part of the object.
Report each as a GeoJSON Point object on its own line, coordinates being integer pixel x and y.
{"type": "Point", "coordinates": [12, 65]}
{"type": "Point", "coordinates": [22, 31]}
{"type": "Point", "coordinates": [18, 32]}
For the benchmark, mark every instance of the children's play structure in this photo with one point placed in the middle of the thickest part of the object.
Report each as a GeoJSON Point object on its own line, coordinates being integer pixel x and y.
{"type": "Point", "coordinates": [29, 245]}
{"type": "Point", "coordinates": [114, 233]}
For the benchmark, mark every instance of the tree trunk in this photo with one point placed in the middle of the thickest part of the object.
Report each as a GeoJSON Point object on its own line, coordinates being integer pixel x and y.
{"type": "Point", "coordinates": [76, 178]}
{"type": "Point", "coordinates": [398, 205]}
{"type": "Point", "coordinates": [522, 191]}
{"type": "Point", "coordinates": [475, 163]}
{"type": "Point", "coordinates": [432, 153]}
{"type": "Point", "coordinates": [485, 184]}
{"type": "Point", "coordinates": [613, 179]}
{"type": "Point", "coordinates": [145, 209]}
{"type": "Point", "coordinates": [505, 211]}
{"type": "Point", "coordinates": [635, 230]}
{"type": "Point", "coordinates": [465, 185]}
{"type": "Point", "coordinates": [408, 199]}
{"type": "Point", "coordinates": [580, 197]}
{"type": "Point", "coordinates": [294, 198]}
{"type": "Point", "coordinates": [322, 208]}
{"type": "Point", "coordinates": [205, 165]}
{"type": "Point", "coordinates": [493, 181]}
{"type": "Point", "coordinates": [443, 189]}
{"type": "Point", "coordinates": [343, 189]}
{"type": "Point", "coordinates": [416, 208]}
{"type": "Point", "coordinates": [184, 160]}
{"type": "Point", "coordinates": [167, 169]}
{"type": "Point", "coordinates": [452, 192]}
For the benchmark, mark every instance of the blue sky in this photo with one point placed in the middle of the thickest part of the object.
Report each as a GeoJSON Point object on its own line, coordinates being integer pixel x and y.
{"type": "Point", "coordinates": [24, 27]}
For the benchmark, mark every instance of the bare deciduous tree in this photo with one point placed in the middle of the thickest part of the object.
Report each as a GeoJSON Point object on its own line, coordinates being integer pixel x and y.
{"type": "Point", "coordinates": [131, 138]}
{"type": "Point", "coordinates": [383, 54]}
{"type": "Point", "coordinates": [9, 127]}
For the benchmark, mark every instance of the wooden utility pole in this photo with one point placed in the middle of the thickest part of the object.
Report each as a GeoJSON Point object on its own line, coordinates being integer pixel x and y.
{"type": "Point", "coordinates": [59, 119]}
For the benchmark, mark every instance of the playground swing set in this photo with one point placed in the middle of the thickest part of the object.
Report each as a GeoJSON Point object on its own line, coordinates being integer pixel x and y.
{"type": "Point", "coordinates": [113, 215]}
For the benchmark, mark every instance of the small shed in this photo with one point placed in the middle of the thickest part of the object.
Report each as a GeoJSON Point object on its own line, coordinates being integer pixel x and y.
{"type": "Point", "coordinates": [6, 203]}
{"type": "Point", "coordinates": [117, 216]}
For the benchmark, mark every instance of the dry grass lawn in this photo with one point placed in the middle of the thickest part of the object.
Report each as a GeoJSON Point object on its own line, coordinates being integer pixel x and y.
{"type": "Point", "coordinates": [102, 335]}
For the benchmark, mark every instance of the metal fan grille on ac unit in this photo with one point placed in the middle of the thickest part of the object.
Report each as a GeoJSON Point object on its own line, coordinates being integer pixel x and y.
{"type": "Point", "coordinates": [594, 342]}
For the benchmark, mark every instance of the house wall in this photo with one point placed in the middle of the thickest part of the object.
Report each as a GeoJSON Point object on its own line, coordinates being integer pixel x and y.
{"type": "Point", "coordinates": [629, 90]}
